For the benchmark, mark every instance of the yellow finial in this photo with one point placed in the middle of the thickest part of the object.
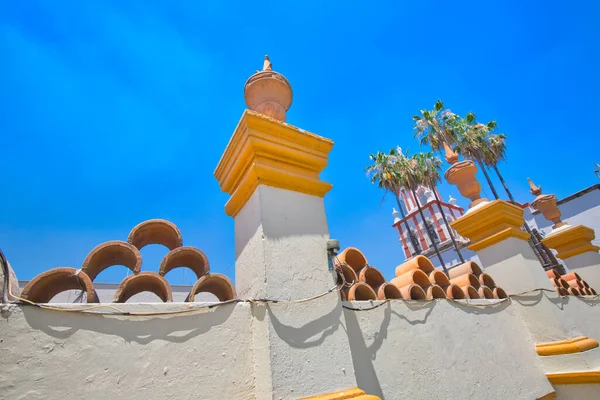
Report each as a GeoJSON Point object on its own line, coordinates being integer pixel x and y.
{"type": "Point", "coordinates": [451, 155]}
{"type": "Point", "coordinates": [535, 190]}
{"type": "Point", "coordinates": [267, 66]}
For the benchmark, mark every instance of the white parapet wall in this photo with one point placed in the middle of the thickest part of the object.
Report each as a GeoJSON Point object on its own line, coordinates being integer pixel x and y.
{"type": "Point", "coordinates": [399, 350]}
{"type": "Point", "coordinates": [60, 355]}
{"type": "Point", "coordinates": [444, 350]}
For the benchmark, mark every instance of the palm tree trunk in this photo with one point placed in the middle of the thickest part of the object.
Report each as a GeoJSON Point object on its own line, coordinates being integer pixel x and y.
{"type": "Point", "coordinates": [437, 251]}
{"type": "Point", "coordinates": [439, 204]}
{"type": "Point", "coordinates": [510, 196]}
{"type": "Point", "coordinates": [487, 178]}
{"type": "Point", "coordinates": [408, 232]}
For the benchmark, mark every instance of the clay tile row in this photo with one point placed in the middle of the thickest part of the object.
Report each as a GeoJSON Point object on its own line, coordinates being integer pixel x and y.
{"type": "Point", "coordinates": [46, 285]}
{"type": "Point", "coordinates": [416, 279]}
{"type": "Point", "coordinates": [570, 284]}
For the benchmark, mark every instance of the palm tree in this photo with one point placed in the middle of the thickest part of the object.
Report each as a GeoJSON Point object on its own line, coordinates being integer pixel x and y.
{"type": "Point", "coordinates": [411, 174]}
{"type": "Point", "coordinates": [432, 166]}
{"type": "Point", "coordinates": [496, 152]}
{"type": "Point", "coordinates": [434, 127]}
{"type": "Point", "coordinates": [472, 143]}
{"type": "Point", "coordinates": [383, 173]}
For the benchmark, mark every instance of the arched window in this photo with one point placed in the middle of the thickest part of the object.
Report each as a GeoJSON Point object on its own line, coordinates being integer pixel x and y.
{"type": "Point", "coordinates": [431, 230]}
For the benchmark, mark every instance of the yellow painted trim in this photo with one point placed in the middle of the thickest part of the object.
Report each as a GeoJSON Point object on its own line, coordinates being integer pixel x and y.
{"type": "Point", "coordinates": [266, 151]}
{"type": "Point", "coordinates": [354, 393]}
{"type": "Point", "coordinates": [575, 345]}
{"type": "Point", "coordinates": [574, 378]}
{"type": "Point", "coordinates": [490, 224]}
{"type": "Point", "coordinates": [571, 241]}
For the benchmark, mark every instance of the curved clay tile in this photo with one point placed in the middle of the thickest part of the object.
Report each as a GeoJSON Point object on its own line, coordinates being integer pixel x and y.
{"type": "Point", "coordinates": [469, 267]}
{"type": "Point", "coordinates": [143, 282]}
{"type": "Point", "coordinates": [112, 253]}
{"type": "Point", "coordinates": [217, 284]}
{"type": "Point", "coordinates": [415, 276]}
{"type": "Point", "coordinates": [470, 292]}
{"type": "Point", "coordinates": [418, 262]}
{"type": "Point", "coordinates": [388, 291]}
{"type": "Point", "coordinates": [454, 292]}
{"type": "Point", "coordinates": [499, 293]}
{"type": "Point", "coordinates": [571, 276]}
{"type": "Point", "coordinates": [155, 231]}
{"type": "Point", "coordinates": [361, 291]}
{"type": "Point", "coordinates": [372, 277]}
{"type": "Point", "coordinates": [186, 256]}
{"type": "Point", "coordinates": [46, 285]}
{"type": "Point", "coordinates": [348, 273]}
{"type": "Point", "coordinates": [439, 278]}
{"type": "Point", "coordinates": [553, 274]}
{"type": "Point", "coordinates": [435, 292]}
{"type": "Point", "coordinates": [485, 292]}
{"type": "Point", "coordinates": [560, 283]}
{"type": "Point", "coordinates": [353, 257]}
{"type": "Point", "coordinates": [487, 280]}
{"type": "Point", "coordinates": [413, 292]}
{"type": "Point", "coordinates": [466, 280]}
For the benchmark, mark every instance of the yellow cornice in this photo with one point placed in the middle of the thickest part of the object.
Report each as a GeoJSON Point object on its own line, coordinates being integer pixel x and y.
{"type": "Point", "coordinates": [266, 151]}
{"type": "Point", "coordinates": [490, 224]}
{"type": "Point", "coordinates": [355, 394]}
{"type": "Point", "coordinates": [575, 345]}
{"type": "Point", "coordinates": [571, 241]}
{"type": "Point", "coordinates": [574, 378]}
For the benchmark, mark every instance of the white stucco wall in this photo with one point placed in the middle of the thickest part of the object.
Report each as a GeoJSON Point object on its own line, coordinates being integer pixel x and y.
{"type": "Point", "coordinates": [281, 246]}
{"type": "Point", "coordinates": [444, 350]}
{"type": "Point", "coordinates": [514, 266]}
{"type": "Point", "coordinates": [437, 350]}
{"type": "Point", "coordinates": [587, 265]}
{"type": "Point", "coordinates": [578, 392]}
{"type": "Point", "coordinates": [58, 355]}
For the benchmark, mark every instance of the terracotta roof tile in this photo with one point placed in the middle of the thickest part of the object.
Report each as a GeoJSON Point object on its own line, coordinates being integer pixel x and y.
{"type": "Point", "coordinates": [416, 279]}
{"type": "Point", "coordinates": [45, 286]}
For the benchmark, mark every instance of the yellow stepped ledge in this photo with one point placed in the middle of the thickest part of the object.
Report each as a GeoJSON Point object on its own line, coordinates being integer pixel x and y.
{"type": "Point", "coordinates": [355, 394]}
{"type": "Point", "coordinates": [574, 378]}
{"type": "Point", "coordinates": [571, 241]}
{"type": "Point", "coordinates": [575, 345]}
{"type": "Point", "coordinates": [265, 151]}
{"type": "Point", "coordinates": [491, 223]}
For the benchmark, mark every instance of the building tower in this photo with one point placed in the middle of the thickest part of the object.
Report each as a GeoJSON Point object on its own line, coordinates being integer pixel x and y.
{"type": "Point", "coordinates": [415, 240]}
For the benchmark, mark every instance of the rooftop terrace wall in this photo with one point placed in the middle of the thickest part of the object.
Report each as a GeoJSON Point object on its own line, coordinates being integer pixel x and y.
{"type": "Point", "coordinates": [400, 349]}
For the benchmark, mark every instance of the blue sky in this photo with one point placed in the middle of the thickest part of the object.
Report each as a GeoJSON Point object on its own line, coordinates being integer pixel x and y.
{"type": "Point", "coordinates": [115, 112]}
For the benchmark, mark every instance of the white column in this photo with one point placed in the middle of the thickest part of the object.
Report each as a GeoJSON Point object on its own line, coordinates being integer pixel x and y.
{"type": "Point", "coordinates": [494, 230]}
{"type": "Point", "coordinates": [281, 246]}
{"type": "Point", "coordinates": [575, 248]}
